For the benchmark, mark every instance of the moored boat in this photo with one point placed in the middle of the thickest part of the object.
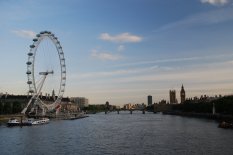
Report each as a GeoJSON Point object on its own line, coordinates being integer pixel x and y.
{"type": "Point", "coordinates": [40, 121]}
{"type": "Point", "coordinates": [225, 125]}
{"type": "Point", "coordinates": [27, 122]}
{"type": "Point", "coordinates": [13, 122]}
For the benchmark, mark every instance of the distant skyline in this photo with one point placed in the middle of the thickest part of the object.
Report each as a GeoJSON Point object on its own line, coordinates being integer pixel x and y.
{"type": "Point", "coordinates": [121, 51]}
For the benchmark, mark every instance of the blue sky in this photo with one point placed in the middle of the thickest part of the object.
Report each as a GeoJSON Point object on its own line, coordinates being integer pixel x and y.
{"type": "Point", "coordinates": [123, 50]}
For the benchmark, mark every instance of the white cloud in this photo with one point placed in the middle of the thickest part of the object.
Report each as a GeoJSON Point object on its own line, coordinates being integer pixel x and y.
{"type": "Point", "coordinates": [25, 33]}
{"type": "Point", "coordinates": [204, 18]}
{"type": "Point", "coordinates": [121, 72]}
{"type": "Point", "coordinates": [192, 75]}
{"type": "Point", "coordinates": [215, 2]}
{"type": "Point", "coordinates": [184, 59]}
{"type": "Point", "coordinates": [104, 55]}
{"type": "Point", "coordinates": [121, 48]}
{"type": "Point", "coordinates": [107, 74]}
{"type": "Point", "coordinates": [124, 37]}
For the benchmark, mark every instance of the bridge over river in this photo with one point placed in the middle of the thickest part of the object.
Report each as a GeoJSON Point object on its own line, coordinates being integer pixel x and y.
{"type": "Point", "coordinates": [126, 110]}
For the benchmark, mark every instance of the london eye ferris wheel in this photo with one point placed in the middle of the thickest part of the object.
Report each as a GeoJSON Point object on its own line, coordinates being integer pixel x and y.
{"type": "Point", "coordinates": [46, 72]}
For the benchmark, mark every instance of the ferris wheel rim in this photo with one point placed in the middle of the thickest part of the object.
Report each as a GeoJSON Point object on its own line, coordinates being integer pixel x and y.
{"type": "Point", "coordinates": [31, 63]}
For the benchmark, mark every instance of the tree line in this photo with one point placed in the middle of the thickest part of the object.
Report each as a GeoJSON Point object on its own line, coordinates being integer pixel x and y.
{"type": "Point", "coordinates": [11, 107]}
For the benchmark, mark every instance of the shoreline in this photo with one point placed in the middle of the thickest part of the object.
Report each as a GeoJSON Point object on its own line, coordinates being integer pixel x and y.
{"type": "Point", "coordinates": [5, 118]}
{"type": "Point", "coordinates": [217, 117]}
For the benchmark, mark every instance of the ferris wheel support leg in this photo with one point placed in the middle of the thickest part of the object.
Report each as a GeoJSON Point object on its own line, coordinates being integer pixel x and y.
{"type": "Point", "coordinates": [25, 109]}
{"type": "Point", "coordinates": [57, 111]}
{"type": "Point", "coordinates": [40, 86]}
{"type": "Point", "coordinates": [43, 111]}
{"type": "Point", "coordinates": [35, 96]}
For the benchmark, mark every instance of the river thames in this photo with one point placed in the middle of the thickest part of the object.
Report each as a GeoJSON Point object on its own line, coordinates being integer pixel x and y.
{"type": "Point", "coordinates": [122, 134]}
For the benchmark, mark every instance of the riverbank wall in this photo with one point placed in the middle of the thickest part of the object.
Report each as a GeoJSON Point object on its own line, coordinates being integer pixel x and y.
{"type": "Point", "coordinates": [217, 117]}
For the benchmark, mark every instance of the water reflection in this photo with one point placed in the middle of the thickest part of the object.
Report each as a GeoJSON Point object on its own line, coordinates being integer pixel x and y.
{"type": "Point", "coordinates": [119, 134]}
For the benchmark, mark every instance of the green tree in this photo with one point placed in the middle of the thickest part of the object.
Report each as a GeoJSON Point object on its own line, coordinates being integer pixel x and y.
{"type": "Point", "coordinates": [16, 107]}
{"type": "Point", "coordinates": [7, 109]}
{"type": "Point", "coordinates": [1, 108]}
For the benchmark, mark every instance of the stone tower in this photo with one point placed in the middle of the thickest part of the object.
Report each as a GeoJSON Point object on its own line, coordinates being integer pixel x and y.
{"type": "Point", "coordinates": [172, 94]}
{"type": "Point", "coordinates": [182, 94]}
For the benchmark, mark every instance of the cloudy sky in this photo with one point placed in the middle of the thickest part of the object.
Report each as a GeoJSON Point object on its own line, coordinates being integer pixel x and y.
{"type": "Point", "coordinates": [123, 50]}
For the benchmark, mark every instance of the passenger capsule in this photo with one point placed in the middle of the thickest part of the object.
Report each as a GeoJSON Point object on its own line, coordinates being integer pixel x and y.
{"type": "Point", "coordinates": [49, 32]}
{"type": "Point", "coordinates": [61, 53]}
{"type": "Point", "coordinates": [35, 39]}
{"type": "Point", "coordinates": [64, 78]}
{"type": "Point", "coordinates": [60, 47]}
{"type": "Point", "coordinates": [64, 72]}
{"type": "Point", "coordinates": [55, 38]}
{"type": "Point", "coordinates": [30, 54]}
{"type": "Point", "coordinates": [42, 32]}
{"type": "Point", "coordinates": [29, 63]}
{"type": "Point", "coordinates": [38, 35]}
{"type": "Point", "coordinates": [63, 84]}
{"type": "Point", "coordinates": [29, 82]}
{"type": "Point", "coordinates": [31, 91]}
{"type": "Point", "coordinates": [62, 58]}
{"type": "Point", "coordinates": [58, 42]}
{"type": "Point", "coordinates": [28, 72]}
{"type": "Point", "coordinates": [32, 46]}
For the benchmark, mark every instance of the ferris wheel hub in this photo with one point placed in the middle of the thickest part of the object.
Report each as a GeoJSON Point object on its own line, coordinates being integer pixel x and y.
{"type": "Point", "coordinates": [46, 73]}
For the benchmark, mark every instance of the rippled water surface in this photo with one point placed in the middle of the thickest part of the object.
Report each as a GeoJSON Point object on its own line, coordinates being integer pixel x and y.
{"type": "Point", "coordinates": [124, 134]}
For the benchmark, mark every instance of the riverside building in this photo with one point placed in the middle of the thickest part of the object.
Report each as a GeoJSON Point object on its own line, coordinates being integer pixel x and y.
{"type": "Point", "coordinates": [149, 100]}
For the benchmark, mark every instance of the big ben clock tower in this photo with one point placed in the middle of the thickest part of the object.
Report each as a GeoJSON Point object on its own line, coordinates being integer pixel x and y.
{"type": "Point", "coordinates": [182, 94]}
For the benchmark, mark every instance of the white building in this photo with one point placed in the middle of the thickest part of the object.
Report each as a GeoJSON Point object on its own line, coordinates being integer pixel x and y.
{"type": "Point", "coordinates": [80, 101]}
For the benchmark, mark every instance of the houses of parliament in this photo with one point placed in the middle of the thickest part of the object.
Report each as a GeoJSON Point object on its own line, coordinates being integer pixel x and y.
{"type": "Point", "coordinates": [172, 94]}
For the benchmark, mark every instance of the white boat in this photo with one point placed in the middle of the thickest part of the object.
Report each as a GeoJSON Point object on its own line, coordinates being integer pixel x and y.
{"type": "Point", "coordinates": [13, 122]}
{"type": "Point", "coordinates": [40, 121]}
{"type": "Point", "coordinates": [32, 121]}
